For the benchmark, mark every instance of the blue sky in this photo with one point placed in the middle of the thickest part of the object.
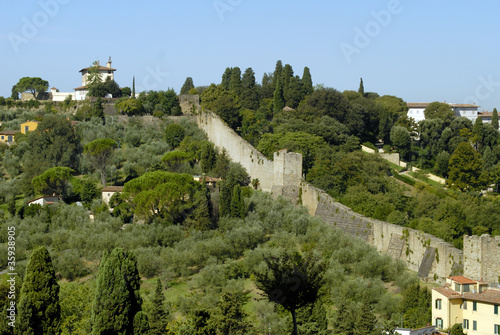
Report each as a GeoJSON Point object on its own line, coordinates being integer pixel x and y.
{"type": "Point", "coordinates": [421, 51]}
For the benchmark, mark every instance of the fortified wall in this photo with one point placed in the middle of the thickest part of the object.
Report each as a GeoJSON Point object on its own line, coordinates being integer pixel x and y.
{"type": "Point", "coordinates": [433, 258]}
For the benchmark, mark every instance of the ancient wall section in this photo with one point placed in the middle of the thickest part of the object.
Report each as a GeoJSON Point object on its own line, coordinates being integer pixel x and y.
{"type": "Point", "coordinates": [190, 103]}
{"type": "Point", "coordinates": [482, 257]}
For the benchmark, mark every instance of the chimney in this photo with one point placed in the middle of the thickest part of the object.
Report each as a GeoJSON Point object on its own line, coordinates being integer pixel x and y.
{"type": "Point", "coordinates": [108, 64]}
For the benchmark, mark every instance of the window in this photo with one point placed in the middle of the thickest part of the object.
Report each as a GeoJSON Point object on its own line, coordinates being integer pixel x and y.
{"type": "Point", "coordinates": [26, 129]}
{"type": "Point", "coordinates": [438, 303]}
{"type": "Point", "coordinates": [465, 288]}
{"type": "Point", "coordinates": [466, 324]}
{"type": "Point", "coordinates": [495, 309]}
{"type": "Point", "coordinates": [439, 323]}
{"type": "Point", "coordinates": [497, 329]}
{"type": "Point", "coordinates": [464, 304]}
{"type": "Point", "coordinates": [474, 325]}
{"type": "Point", "coordinates": [9, 138]}
{"type": "Point", "coordinates": [474, 306]}
{"type": "Point", "coordinates": [457, 287]}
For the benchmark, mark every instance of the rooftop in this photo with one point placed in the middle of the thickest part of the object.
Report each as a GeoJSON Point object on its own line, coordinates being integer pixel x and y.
{"type": "Point", "coordinates": [463, 280]}
{"type": "Point", "coordinates": [425, 104]}
{"type": "Point", "coordinates": [101, 68]}
{"type": "Point", "coordinates": [112, 189]}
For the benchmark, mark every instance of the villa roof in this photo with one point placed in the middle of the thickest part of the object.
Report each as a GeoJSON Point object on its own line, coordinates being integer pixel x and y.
{"type": "Point", "coordinates": [490, 296]}
{"type": "Point", "coordinates": [81, 88]}
{"type": "Point", "coordinates": [112, 189]}
{"type": "Point", "coordinates": [463, 280]}
{"type": "Point", "coordinates": [101, 68]}
{"type": "Point", "coordinates": [448, 292]}
{"type": "Point", "coordinates": [9, 132]}
{"type": "Point", "coordinates": [425, 104]}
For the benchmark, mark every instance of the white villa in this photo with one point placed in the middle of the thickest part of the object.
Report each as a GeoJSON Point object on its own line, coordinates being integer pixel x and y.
{"type": "Point", "coordinates": [80, 93]}
{"type": "Point", "coordinates": [416, 110]}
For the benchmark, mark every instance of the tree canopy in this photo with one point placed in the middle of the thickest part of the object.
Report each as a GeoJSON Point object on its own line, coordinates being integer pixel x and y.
{"type": "Point", "coordinates": [34, 85]}
{"type": "Point", "coordinates": [100, 152]}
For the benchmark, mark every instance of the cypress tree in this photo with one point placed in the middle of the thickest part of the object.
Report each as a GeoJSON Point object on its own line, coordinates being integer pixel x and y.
{"type": "Point", "coordinates": [286, 75]}
{"type": "Point", "coordinates": [158, 312]}
{"type": "Point", "coordinates": [117, 298]}
{"type": "Point", "coordinates": [494, 119]}
{"type": "Point", "coordinates": [307, 83]}
{"type": "Point", "coordinates": [366, 319]}
{"type": "Point", "coordinates": [207, 157]}
{"type": "Point", "coordinates": [226, 78]}
{"type": "Point", "coordinates": [141, 324]}
{"type": "Point", "coordinates": [237, 203]}
{"type": "Point", "coordinates": [225, 200]}
{"type": "Point", "coordinates": [249, 93]}
{"type": "Point", "coordinates": [267, 86]}
{"type": "Point", "coordinates": [39, 309]}
{"type": "Point", "coordinates": [277, 74]}
{"type": "Point", "coordinates": [235, 82]}
{"type": "Point", "coordinates": [295, 92]}
{"type": "Point", "coordinates": [133, 87]}
{"type": "Point", "coordinates": [361, 89]}
{"type": "Point", "coordinates": [278, 100]}
{"type": "Point", "coordinates": [188, 85]}
{"type": "Point", "coordinates": [477, 130]}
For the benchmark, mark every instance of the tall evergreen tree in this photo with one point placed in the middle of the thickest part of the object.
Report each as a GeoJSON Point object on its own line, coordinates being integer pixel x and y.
{"type": "Point", "coordinates": [229, 316]}
{"type": "Point", "coordinates": [158, 319]}
{"type": "Point", "coordinates": [117, 299]}
{"type": "Point", "coordinates": [208, 157]}
{"type": "Point", "coordinates": [295, 92]}
{"type": "Point", "coordinates": [307, 83]}
{"type": "Point", "coordinates": [249, 93]}
{"type": "Point", "coordinates": [278, 70]}
{"type": "Point", "coordinates": [286, 75]}
{"type": "Point", "coordinates": [267, 86]}
{"type": "Point", "coordinates": [226, 78]}
{"type": "Point", "coordinates": [225, 200]}
{"type": "Point", "coordinates": [366, 319]}
{"type": "Point", "coordinates": [188, 85]}
{"type": "Point", "coordinates": [235, 84]}
{"type": "Point", "coordinates": [237, 203]}
{"type": "Point", "coordinates": [494, 119]}
{"type": "Point", "coordinates": [39, 309]}
{"type": "Point", "coordinates": [477, 130]}
{"type": "Point", "coordinates": [278, 99]}
{"type": "Point", "coordinates": [133, 87]}
{"type": "Point", "coordinates": [361, 89]}
{"type": "Point", "coordinates": [346, 319]}
{"type": "Point", "coordinates": [141, 324]}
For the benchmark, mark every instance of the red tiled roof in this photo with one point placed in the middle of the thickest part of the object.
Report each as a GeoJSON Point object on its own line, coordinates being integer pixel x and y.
{"type": "Point", "coordinates": [81, 88]}
{"type": "Point", "coordinates": [9, 132]}
{"type": "Point", "coordinates": [448, 293]}
{"type": "Point", "coordinates": [463, 280]}
{"type": "Point", "coordinates": [491, 296]}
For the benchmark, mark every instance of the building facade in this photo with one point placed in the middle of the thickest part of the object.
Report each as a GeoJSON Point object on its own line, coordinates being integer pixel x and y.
{"type": "Point", "coordinates": [416, 110]}
{"type": "Point", "coordinates": [471, 303]}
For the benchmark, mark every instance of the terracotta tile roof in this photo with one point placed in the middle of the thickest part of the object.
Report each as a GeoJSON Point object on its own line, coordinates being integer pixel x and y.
{"type": "Point", "coordinates": [448, 293]}
{"type": "Point", "coordinates": [101, 68]}
{"type": "Point", "coordinates": [490, 296]}
{"type": "Point", "coordinates": [9, 132]}
{"type": "Point", "coordinates": [112, 189]}
{"type": "Point", "coordinates": [81, 88]}
{"type": "Point", "coordinates": [425, 104]}
{"type": "Point", "coordinates": [463, 280]}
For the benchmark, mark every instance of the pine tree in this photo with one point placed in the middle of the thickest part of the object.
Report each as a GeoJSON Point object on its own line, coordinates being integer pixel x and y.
{"type": "Point", "coordinates": [158, 313]}
{"type": "Point", "coordinates": [494, 119]}
{"type": "Point", "coordinates": [39, 308]}
{"type": "Point", "coordinates": [237, 203]}
{"type": "Point", "coordinates": [229, 316]}
{"type": "Point", "coordinates": [346, 319]}
{"type": "Point", "coordinates": [361, 89]}
{"type": "Point", "coordinates": [117, 299]}
{"type": "Point", "coordinates": [307, 83]}
{"type": "Point", "coordinates": [188, 85]}
{"type": "Point", "coordinates": [278, 100]}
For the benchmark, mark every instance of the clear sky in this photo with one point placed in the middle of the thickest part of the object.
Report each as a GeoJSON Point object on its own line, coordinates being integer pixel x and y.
{"type": "Point", "coordinates": [421, 51]}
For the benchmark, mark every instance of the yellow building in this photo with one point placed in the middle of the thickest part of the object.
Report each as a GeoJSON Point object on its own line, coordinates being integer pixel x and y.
{"type": "Point", "coordinates": [469, 302]}
{"type": "Point", "coordinates": [7, 136]}
{"type": "Point", "coordinates": [28, 126]}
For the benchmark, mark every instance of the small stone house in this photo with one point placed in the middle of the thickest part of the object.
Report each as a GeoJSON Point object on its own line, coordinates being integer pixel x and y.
{"type": "Point", "coordinates": [45, 200]}
{"type": "Point", "coordinates": [108, 191]}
